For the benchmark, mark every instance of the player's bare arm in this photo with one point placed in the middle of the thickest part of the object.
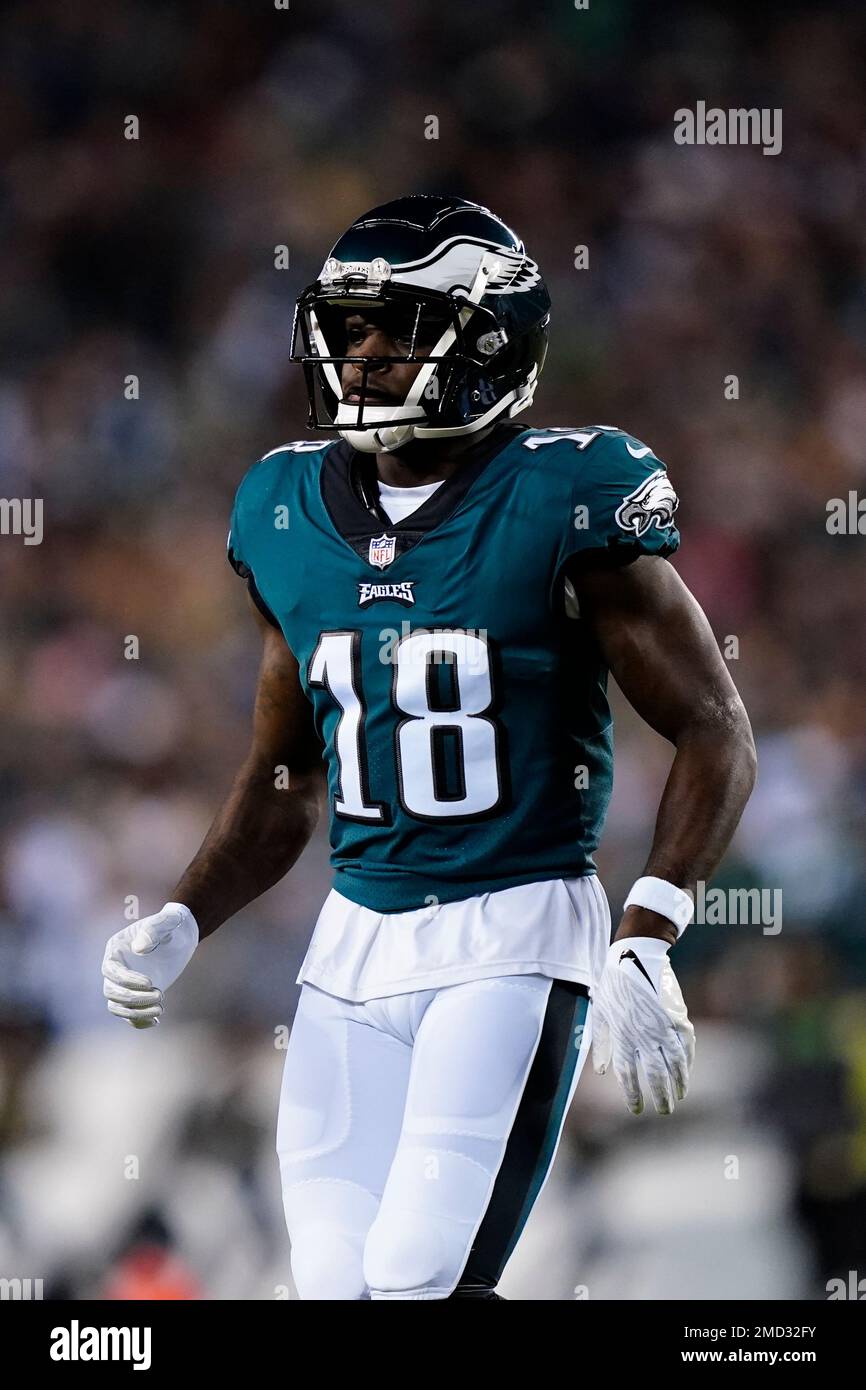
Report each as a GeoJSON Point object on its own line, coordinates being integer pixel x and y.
{"type": "Point", "coordinates": [657, 643]}
{"type": "Point", "coordinates": [661, 650]}
{"type": "Point", "coordinates": [258, 833]}
{"type": "Point", "coordinates": [272, 808]}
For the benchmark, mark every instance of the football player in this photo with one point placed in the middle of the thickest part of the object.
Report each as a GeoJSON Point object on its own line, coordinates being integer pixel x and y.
{"type": "Point", "coordinates": [441, 593]}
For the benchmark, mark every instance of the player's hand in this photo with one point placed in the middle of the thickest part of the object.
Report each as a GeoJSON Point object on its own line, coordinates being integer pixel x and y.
{"type": "Point", "coordinates": [639, 1016]}
{"type": "Point", "coordinates": [143, 959]}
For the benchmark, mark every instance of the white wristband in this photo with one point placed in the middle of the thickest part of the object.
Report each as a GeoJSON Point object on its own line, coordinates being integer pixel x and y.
{"type": "Point", "coordinates": [665, 898]}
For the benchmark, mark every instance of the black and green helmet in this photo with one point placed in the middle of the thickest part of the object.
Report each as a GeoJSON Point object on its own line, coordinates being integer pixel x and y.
{"type": "Point", "coordinates": [455, 283]}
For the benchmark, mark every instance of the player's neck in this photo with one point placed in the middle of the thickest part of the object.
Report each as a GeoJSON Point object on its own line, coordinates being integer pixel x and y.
{"type": "Point", "coordinates": [426, 462]}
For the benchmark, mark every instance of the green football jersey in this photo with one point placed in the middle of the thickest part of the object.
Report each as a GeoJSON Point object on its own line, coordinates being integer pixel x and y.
{"type": "Point", "coordinates": [461, 701]}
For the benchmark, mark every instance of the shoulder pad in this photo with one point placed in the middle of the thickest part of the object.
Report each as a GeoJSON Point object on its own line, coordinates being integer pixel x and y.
{"type": "Point", "coordinates": [608, 440]}
{"type": "Point", "coordinates": [582, 437]}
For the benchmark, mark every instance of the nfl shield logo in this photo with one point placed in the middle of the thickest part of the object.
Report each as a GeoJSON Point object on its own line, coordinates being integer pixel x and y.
{"type": "Point", "coordinates": [382, 550]}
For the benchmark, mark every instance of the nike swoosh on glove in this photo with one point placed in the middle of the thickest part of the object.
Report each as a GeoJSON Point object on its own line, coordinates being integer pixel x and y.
{"type": "Point", "coordinates": [639, 1016]}
{"type": "Point", "coordinates": [143, 959]}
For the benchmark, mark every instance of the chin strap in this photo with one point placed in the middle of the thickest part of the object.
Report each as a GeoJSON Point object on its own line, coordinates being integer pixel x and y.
{"type": "Point", "coordinates": [376, 441]}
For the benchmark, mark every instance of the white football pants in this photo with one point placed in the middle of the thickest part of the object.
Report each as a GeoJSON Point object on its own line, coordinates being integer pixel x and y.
{"type": "Point", "coordinates": [415, 1132]}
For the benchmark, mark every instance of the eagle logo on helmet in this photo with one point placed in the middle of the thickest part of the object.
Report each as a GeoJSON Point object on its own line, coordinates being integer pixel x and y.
{"type": "Point", "coordinates": [652, 504]}
{"type": "Point", "coordinates": [455, 263]}
{"type": "Point", "coordinates": [514, 273]}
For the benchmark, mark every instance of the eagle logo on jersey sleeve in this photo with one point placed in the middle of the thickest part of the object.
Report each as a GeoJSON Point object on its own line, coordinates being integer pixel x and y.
{"type": "Point", "coordinates": [652, 504]}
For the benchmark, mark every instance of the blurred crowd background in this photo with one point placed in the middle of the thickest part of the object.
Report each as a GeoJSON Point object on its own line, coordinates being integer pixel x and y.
{"type": "Point", "coordinates": [142, 1165]}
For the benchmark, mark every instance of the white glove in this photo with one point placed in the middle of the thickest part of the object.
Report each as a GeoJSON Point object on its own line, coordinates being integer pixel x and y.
{"type": "Point", "coordinates": [638, 1011]}
{"type": "Point", "coordinates": [163, 945]}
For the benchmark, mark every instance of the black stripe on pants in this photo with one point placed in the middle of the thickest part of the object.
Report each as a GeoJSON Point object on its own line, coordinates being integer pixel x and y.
{"type": "Point", "coordinates": [529, 1150]}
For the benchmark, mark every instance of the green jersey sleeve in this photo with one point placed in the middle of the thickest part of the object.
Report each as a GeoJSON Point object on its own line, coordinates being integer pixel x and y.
{"type": "Point", "coordinates": [237, 546]}
{"type": "Point", "coordinates": [622, 502]}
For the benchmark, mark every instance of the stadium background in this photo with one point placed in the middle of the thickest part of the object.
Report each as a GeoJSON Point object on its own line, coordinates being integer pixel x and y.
{"type": "Point", "coordinates": [143, 1165]}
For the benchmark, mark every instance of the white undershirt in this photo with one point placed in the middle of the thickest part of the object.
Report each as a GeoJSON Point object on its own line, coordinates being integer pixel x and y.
{"type": "Point", "coordinates": [400, 502]}
{"type": "Point", "coordinates": [559, 928]}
